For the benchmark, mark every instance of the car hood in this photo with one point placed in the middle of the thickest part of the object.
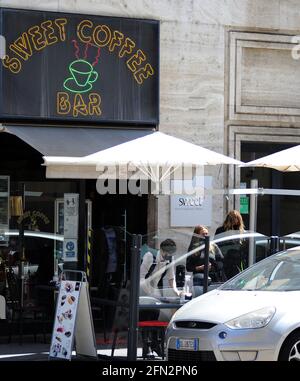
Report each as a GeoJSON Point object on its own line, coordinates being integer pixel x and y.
{"type": "Point", "coordinates": [220, 306]}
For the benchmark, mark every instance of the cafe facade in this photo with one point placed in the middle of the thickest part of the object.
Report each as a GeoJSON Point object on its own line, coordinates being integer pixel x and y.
{"type": "Point", "coordinates": [71, 85]}
{"type": "Point", "coordinates": [198, 77]}
{"type": "Point", "coordinates": [80, 77]}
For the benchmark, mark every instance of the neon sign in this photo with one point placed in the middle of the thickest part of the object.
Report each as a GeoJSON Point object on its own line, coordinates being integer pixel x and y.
{"type": "Point", "coordinates": [82, 72]}
{"type": "Point", "coordinates": [50, 32]}
{"type": "Point", "coordinates": [65, 66]}
{"type": "Point", "coordinates": [32, 217]}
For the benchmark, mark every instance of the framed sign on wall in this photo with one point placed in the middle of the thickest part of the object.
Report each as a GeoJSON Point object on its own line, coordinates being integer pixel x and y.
{"type": "Point", "coordinates": [188, 210]}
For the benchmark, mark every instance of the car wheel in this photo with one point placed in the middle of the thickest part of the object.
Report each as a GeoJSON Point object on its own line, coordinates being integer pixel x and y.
{"type": "Point", "coordinates": [291, 348]}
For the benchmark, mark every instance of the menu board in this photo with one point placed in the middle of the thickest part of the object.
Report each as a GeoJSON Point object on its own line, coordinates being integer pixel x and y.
{"type": "Point", "coordinates": [65, 318]}
{"type": "Point", "coordinates": [4, 208]}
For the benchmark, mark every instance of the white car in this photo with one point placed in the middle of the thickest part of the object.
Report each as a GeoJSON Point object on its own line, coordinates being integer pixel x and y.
{"type": "Point", "coordinates": [254, 316]}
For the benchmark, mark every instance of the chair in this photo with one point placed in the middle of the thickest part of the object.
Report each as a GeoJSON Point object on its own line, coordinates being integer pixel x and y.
{"type": "Point", "coordinates": [19, 312]}
{"type": "Point", "coordinates": [98, 310]}
{"type": "Point", "coordinates": [151, 329]}
{"type": "Point", "coordinates": [148, 328]}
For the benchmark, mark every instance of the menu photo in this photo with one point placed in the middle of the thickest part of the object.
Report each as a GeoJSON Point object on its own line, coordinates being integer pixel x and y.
{"type": "Point", "coordinates": [65, 317]}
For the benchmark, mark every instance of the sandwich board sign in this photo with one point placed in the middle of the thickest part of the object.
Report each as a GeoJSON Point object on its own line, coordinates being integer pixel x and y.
{"type": "Point", "coordinates": [73, 320]}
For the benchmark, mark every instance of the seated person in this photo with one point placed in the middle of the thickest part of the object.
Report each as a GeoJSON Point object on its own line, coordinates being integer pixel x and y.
{"type": "Point", "coordinates": [154, 270]}
{"type": "Point", "coordinates": [195, 262]}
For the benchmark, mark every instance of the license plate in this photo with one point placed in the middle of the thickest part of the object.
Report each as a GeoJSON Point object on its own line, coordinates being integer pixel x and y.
{"type": "Point", "coordinates": [187, 344]}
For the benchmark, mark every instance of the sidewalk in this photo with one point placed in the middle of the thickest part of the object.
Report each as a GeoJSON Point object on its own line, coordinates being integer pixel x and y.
{"type": "Point", "coordinates": [28, 351]}
{"type": "Point", "coordinates": [31, 351]}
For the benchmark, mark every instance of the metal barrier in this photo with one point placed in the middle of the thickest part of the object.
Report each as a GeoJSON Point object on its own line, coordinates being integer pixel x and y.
{"type": "Point", "coordinates": [274, 244]}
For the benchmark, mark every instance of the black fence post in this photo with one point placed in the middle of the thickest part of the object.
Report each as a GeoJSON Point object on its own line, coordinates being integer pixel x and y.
{"type": "Point", "coordinates": [274, 244]}
{"type": "Point", "coordinates": [206, 264]}
{"type": "Point", "coordinates": [21, 224]}
{"type": "Point", "coordinates": [22, 246]}
{"type": "Point", "coordinates": [134, 296]}
{"type": "Point", "coordinates": [82, 228]}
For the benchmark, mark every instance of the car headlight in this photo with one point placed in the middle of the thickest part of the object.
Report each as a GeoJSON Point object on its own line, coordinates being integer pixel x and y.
{"type": "Point", "coordinates": [255, 319]}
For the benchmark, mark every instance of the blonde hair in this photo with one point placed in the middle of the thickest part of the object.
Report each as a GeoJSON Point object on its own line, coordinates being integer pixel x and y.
{"type": "Point", "coordinates": [198, 231]}
{"type": "Point", "coordinates": [234, 221]}
{"type": "Point", "coordinates": [199, 228]}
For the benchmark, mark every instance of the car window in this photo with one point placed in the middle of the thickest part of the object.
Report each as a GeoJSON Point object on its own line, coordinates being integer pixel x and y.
{"type": "Point", "coordinates": [235, 249]}
{"type": "Point", "coordinates": [277, 273]}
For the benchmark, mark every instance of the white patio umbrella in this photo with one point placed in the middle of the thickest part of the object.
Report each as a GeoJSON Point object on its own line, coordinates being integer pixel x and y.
{"type": "Point", "coordinates": [287, 160]}
{"type": "Point", "coordinates": [150, 154]}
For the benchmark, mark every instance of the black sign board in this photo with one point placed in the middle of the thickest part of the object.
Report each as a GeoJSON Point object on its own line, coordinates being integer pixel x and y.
{"type": "Point", "coordinates": [70, 67]}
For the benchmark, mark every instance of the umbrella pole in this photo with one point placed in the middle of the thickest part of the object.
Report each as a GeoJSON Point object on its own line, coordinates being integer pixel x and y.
{"type": "Point", "coordinates": [252, 222]}
{"type": "Point", "coordinates": [206, 264]}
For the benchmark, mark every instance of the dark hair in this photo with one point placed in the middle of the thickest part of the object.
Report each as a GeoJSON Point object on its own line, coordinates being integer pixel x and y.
{"type": "Point", "coordinates": [168, 245]}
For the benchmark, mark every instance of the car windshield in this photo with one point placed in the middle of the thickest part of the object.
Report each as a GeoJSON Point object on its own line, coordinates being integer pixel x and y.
{"type": "Point", "coordinates": [280, 272]}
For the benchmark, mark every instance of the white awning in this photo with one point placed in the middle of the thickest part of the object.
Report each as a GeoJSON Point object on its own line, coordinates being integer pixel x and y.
{"type": "Point", "coordinates": [156, 155]}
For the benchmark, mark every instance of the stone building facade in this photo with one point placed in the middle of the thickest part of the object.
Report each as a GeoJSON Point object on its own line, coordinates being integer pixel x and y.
{"type": "Point", "coordinates": [226, 74]}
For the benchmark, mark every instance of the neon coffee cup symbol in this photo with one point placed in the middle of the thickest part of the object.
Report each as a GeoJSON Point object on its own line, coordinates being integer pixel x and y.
{"type": "Point", "coordinates": [83, 72]}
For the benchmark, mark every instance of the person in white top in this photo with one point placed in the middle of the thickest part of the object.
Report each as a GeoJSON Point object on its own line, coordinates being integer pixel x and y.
{"type": "Point", "coordinates": [153, 270]}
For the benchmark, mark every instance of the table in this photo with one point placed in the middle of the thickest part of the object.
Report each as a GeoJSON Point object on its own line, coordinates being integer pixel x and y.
{"type": "Point", "coordinates": [108, 302]}
{"type": "Point", "coordinates": [161, 303]}
{"type": "Point", "coordinates": [155, 305]}
{"type": "Point", "coordinates": [47, 287]}
{"type": "Point", "coordinates": [161, 306]}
